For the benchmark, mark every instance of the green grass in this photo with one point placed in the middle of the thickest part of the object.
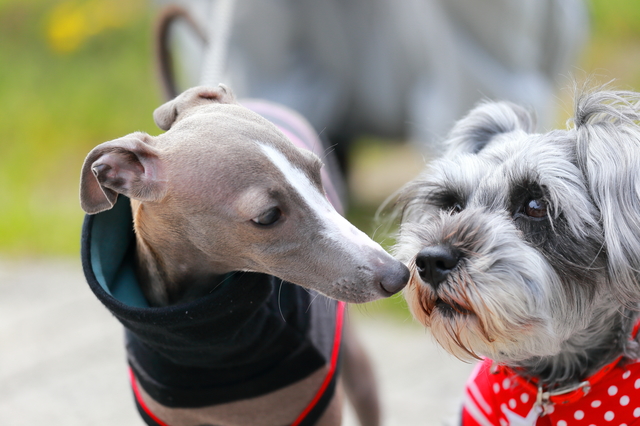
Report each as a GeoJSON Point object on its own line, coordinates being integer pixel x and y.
{"type": "Point", "coordinates": [615, 19]}
{"type": "Point", "coordinates": [57, 106]}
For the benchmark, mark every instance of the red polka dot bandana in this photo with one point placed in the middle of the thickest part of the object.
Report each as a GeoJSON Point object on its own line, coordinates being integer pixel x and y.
{"type": "Point", "coordinates": [499, 398]}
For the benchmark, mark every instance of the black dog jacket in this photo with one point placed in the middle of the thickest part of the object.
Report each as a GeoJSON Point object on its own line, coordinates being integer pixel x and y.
{"type": "Point", "coordinates": [251, 335]}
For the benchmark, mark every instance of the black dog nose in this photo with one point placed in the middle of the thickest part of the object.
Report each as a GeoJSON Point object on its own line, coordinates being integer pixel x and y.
{"type": "Point", "coordinates": [435, 263]}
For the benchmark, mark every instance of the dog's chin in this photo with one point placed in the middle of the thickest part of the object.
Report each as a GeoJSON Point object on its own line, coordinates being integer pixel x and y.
{"type": "Point", "coordinates": [463, 332]}
{"type": "Point", "coordinates": [352, 294]}
{"type": "Point", "coordinates": [457, 330]}
{"type": "Point", "coordinates": [450, 309]}
{"type": "Point", "coordinates": [448, 319]}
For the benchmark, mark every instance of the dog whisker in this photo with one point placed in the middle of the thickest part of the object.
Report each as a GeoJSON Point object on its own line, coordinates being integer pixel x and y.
{"type": "Point", "coordinates": [227, 278]}
{"type": "Point", "coordinates": [454, 331]}
{"type": "Point", "coordinates": [546, 273]}
{"type": "Point", "coordinates": [311, 302]}
{"type": "Point", "coordinates": [280, 301]}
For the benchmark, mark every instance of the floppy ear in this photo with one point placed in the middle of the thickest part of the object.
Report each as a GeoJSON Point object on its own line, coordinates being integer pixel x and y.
{"type": "Point", "coordinates": [126, 166]}
{"type": "Point", "coordinates": [484, 122]}
{"type": "Point", "coordinates": [608, 154]}
{"type": "Point", "coordinates": [174, 110]}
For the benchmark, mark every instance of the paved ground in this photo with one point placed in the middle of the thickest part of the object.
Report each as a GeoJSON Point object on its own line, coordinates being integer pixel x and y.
{"type": "Point", "coordinates": [62, 361]}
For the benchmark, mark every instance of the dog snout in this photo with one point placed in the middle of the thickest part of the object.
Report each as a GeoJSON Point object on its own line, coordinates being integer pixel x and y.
{"type": "Point", "coordinates": [435, 263]}
{"type": "Point", "coordinates": [393, 277]}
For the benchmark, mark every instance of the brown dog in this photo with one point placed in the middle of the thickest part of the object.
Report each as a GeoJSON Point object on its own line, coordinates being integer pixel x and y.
{"type": "Point", "coordinates": [222, 204]}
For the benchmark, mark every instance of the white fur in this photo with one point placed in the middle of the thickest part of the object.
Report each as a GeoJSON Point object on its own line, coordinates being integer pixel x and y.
{"type": "Point", "coordinates": [335, 227]}
{"type": "Point", "coordinates": [555, 295]}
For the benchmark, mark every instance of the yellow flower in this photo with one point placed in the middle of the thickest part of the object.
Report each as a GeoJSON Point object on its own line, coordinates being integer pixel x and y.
{"type": "Point", "coordinates": [72, 22]}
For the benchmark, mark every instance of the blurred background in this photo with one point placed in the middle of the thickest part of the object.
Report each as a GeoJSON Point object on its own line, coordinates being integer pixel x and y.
{"type": "Point", "coordinates": [76, 73]}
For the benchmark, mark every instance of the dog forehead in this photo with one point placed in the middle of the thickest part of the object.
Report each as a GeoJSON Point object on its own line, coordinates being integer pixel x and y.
{"type": "Point", "coordinates": [512, 147]}
{"type": "Point", "coordinates": [225, 129]}
{"type": "Point", "coordinates": [220, 124]}
{"type": "Point", "coordinates": [223, 132]}
{"type": "Point", "coordinates": [226, 156]}
{"type": "Point", "coordinates": [512, 154]}
{"type": "Point", "coordinates": [509, 161]}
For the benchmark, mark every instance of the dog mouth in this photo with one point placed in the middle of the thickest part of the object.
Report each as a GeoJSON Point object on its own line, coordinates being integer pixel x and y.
{"type": "Point", "coordinates": [450, 308]}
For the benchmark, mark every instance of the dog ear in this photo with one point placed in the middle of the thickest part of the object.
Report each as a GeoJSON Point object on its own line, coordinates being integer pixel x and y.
{"type": "Point", "coordinates": [126, 166]}
{"type": "Point", "coordinates": [607, 150]}
{"type": "Point", "coordinates": [173, 111]}
{"type": "Point", "coordinates": [489, 119]}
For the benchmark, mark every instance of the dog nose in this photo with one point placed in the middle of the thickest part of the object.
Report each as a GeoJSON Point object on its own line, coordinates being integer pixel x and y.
{"type": "Point", "coordinates": [435, 263]}
{"type": "Point", "coordinates": [394, 278]}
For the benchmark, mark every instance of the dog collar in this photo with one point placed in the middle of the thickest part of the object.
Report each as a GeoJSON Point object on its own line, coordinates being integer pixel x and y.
{"type": "Point", "coordinates": [219, 341]}
{"type": "Point", "coordinates": [566, 395]}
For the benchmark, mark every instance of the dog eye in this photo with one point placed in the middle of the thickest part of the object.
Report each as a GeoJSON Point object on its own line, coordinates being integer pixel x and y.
{"type": "Point", "coordinates": [536, 208]}
{"type": "Point", "coordinates": [455, 208]}
{"type": "Point", "coordinates": [269, 217]}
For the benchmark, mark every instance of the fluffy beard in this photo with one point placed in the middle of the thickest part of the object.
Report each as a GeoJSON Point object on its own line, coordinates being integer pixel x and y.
{"type": "Point", "coordinates": [497, 302]}
{"type": "Point", "coordinates": [505, 300]}
{"type": "Point", "coordinates": [577, 314]}
{"type": "Point", "coordinates": [468, 331]}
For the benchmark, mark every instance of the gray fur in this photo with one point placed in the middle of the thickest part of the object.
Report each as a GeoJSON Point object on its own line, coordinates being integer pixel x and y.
{"type": "Point", "coordinates": [198, 192]}
{"type": "Point", "coordinates": [197, 189]}
{"type": "Point", "coordinates": [556, 295]}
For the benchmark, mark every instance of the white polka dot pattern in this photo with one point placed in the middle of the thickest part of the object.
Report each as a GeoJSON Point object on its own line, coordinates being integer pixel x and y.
{"type": "Point", "coordinates": [613, 401]}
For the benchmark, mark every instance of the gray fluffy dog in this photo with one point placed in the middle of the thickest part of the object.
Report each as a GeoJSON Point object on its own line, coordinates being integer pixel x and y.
{"type": "Point", "coordinates": [525, 248]}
